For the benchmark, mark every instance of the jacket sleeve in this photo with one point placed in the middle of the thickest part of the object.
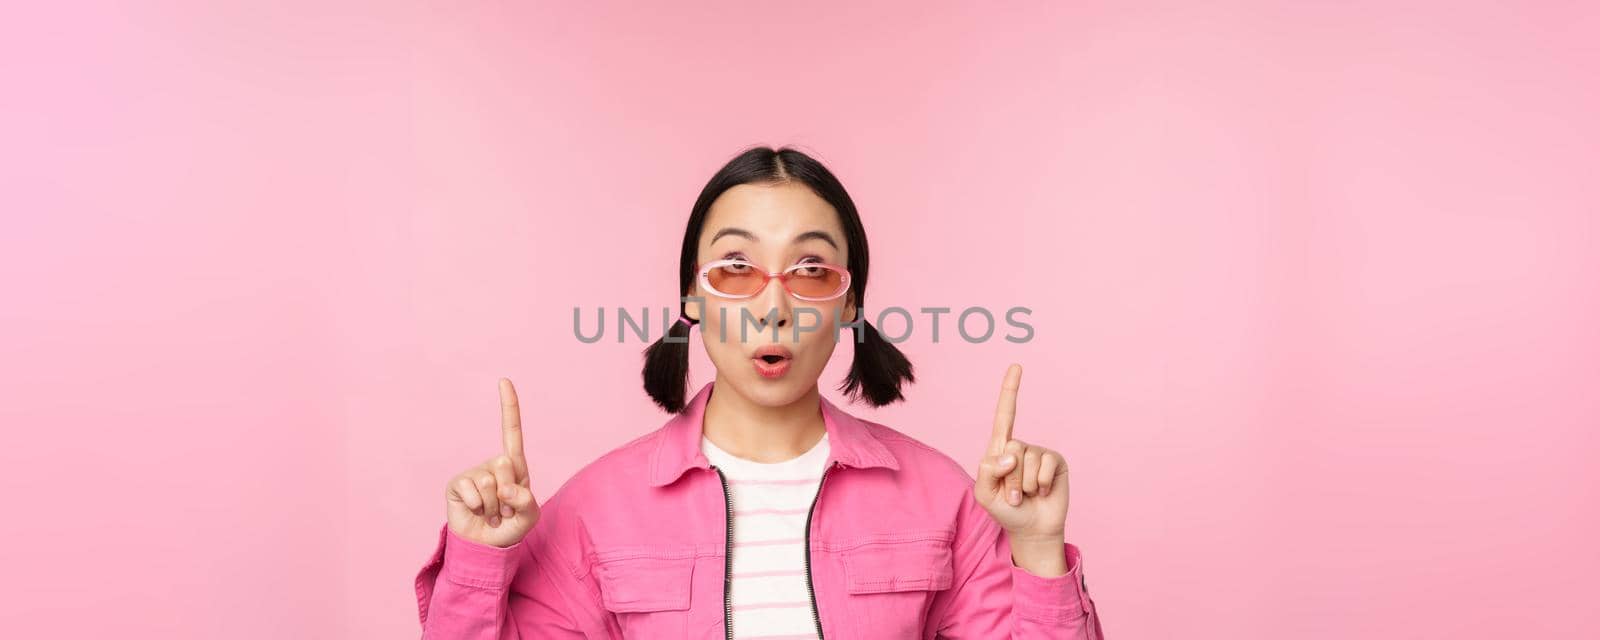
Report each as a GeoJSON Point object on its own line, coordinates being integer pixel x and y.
{"type": "Point", "coordinates": [992, 597]}
{"type": "Point", "coordinates": [530, 590]}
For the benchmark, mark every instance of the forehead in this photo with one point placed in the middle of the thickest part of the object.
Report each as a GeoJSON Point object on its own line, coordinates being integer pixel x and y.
{"type": "Point", "coordinates": [774, 213]}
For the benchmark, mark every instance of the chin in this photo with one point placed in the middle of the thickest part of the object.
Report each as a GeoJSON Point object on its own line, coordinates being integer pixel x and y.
{"type": "Point", "coordinates": [774, 392]}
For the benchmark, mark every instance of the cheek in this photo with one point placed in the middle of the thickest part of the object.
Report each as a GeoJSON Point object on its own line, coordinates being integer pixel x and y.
{"type": "Point", "coordinates": [720, 330]}
{"type": "Point", "coordinates": [825, 317]}
{"type": "Point", "coordinates": [819, 342]}
{"type": "Point", "coordinates": [818, 348]}
{"type": "Point", "coordinates": [720, 313]}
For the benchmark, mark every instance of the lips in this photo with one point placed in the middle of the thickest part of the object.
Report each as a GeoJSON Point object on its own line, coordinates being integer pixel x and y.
{"type": "Point", "coordinates": [772, 360]}
{"type": "Point", "coordinates": [772, 353]}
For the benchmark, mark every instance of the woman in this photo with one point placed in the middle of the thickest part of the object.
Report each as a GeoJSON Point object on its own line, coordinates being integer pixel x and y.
{"type": "Point", "coordinates": [761, 509]}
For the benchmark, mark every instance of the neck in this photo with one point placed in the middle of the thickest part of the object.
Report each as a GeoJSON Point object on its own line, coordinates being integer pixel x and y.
{"type": "Point", "coordinates": [762, 433]}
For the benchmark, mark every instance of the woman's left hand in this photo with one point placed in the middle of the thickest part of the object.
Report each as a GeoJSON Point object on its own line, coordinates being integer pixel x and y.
{"type": "Point", "coordinates": [1023, 486]}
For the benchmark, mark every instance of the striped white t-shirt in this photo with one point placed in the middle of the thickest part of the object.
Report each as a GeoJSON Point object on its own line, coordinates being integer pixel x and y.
{"type": "Point", "coordinates": [770, 503]}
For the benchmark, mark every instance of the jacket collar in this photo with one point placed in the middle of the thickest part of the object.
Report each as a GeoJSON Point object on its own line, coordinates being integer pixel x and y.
{"type": "Point", "coordinates": [678, 449]}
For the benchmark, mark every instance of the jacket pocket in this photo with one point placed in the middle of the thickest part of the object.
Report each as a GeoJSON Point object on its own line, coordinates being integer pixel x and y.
{"type": "Point", "coordinates": [649, 595]}
{"type": "Point", "coordinates": [891, 583]}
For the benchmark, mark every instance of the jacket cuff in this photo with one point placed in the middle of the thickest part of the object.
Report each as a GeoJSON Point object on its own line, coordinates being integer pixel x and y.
{"type": "Point", "coordinates": [474, 564]}
{"type": "Point", "coordinates": [1052, 600]}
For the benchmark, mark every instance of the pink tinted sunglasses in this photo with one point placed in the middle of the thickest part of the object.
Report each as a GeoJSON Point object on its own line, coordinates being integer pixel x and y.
{"type": "Point", "coordinates": [809, 281]}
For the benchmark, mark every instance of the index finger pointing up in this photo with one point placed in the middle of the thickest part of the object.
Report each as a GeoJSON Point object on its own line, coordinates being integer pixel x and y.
{"type": "Point", "coordinates": [511, 427]}
{"type": "Point", "coordinates": [1006, 410]}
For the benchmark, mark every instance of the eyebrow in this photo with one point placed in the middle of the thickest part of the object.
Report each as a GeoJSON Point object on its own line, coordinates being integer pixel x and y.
{"type": "Point", "coordinates": [809, 235]}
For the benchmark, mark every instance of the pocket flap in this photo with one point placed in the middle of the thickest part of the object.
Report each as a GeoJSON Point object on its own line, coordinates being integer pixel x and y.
{"type": "Point", "coordinates": [645, 583]}
{"type": "Point", "coordinates": [901, 565]}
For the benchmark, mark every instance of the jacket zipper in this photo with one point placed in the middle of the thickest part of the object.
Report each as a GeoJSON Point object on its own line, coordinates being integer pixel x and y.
{"type": "Point", "coordinates": [727, 565]}
{"type": "Point", "coordinates": [810, 589]}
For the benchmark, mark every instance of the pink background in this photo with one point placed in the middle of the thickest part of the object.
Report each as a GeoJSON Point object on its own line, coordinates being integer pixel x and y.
{"type": "Point", "coordinates": [1316, 288]}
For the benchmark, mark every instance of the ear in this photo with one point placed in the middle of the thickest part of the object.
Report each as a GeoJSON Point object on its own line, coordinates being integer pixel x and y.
{"type": "Point", "coordinates": [849, 314]}
{"type": "Point", "coordinates": [691, 308]}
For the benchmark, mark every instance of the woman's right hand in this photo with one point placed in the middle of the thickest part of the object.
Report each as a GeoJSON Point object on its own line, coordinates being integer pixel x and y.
{"type": "Point", "coordinates": [493, 503]}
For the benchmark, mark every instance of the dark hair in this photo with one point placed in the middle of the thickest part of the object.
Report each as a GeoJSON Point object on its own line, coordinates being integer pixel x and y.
{"type": "Point", "coordinates": [879, 368]}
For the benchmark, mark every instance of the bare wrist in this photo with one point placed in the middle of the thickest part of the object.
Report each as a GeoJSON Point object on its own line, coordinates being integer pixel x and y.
{"type": "Point", "coordinates": [1041, 556]}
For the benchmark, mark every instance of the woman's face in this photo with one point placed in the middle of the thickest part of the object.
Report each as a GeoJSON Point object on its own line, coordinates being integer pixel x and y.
{"type": "Point", "coordinates": [773, 227]}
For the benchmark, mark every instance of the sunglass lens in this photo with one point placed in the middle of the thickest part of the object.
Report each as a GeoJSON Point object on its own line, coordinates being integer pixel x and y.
{"type": "Point", "coordinates": [735, 279]}
{"type": "Point", "coordinates": [815, 282]}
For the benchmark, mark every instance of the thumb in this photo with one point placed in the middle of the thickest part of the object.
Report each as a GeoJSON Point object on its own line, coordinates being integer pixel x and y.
{"type": "Point", "coordinates": [992, 472]}
{"type": "Point", "coordinates": [520, 499]}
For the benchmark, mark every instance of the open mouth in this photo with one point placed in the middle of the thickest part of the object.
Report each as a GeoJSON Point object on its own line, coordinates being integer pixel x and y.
{"type": "Point", "coordinates": [772, 361]}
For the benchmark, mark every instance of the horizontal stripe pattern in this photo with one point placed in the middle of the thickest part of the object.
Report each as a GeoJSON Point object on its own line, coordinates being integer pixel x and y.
{"type": "Point", "coordinates": [770, 504]}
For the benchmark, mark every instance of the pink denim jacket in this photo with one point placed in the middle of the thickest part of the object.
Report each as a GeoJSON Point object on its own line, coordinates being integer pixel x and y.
{"type": "Point", "coordinates": [635, 545]}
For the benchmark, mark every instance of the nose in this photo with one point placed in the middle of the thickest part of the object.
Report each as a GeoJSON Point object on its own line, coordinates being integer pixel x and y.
{"type": "Point", "coordinates": [772, 300]}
